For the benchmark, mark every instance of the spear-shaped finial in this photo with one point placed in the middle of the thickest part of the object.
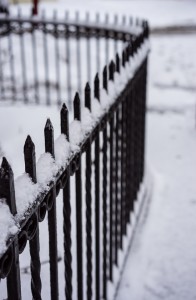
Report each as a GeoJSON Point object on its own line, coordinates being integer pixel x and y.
{"type": "Point", "coordinates": [49, 137]}
{"type": "Point", "coordinates": [65, 120]}
{"type": "Point", "coordinates": [77, 111]}
{"type": "Point", "coordinates": [96, 87]}
{"type": "Point", "coordinates": [87, 96]}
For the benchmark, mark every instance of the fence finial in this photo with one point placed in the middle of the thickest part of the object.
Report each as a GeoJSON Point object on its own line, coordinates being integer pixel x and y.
{"type": "Point", "coordinates": [30, 160]}
{"type": "Point", "coordinates": [7, 189]}
{"type": "Point", "coordinates": [65, 121]}
{"type": "Point", "coordinates": [117, 63]}
{"type": "Point", "coordinates": [111, 70]}
{"type": "Point", "coordinates": [87, 96]}
{"type": "Point", "coordinates": [96, 87]}
{"type": "Point", "coordinates": [77, 112]}
{"type": "Point", "coordinates": [123, 58]}
{"type": "Point", "coordinates": [105, 78]}
{"type": "Point", "coordinates": [49, 137]}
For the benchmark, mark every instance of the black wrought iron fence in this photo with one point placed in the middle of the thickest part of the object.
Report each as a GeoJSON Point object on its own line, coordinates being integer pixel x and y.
{"type": "Point", "coordinates": [100, 169]}
{"type": "Point", "coordinates": [44, 60]}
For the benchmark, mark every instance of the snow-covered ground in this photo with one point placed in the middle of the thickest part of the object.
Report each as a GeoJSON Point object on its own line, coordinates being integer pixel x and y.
{"type": "Point", "coordinates": [162, 260]}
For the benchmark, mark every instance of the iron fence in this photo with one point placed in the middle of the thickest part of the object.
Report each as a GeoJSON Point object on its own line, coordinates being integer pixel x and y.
{"type": "Point", "coordinates": [100, 178]}
{"type": "Point", "coordinates": [44, 60]}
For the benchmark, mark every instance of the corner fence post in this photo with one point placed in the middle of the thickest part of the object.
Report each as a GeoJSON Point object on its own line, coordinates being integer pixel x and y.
{"type": "Point", "coordinates": [7, 192]}
{"type": "Point", "coordinates": [30, 168]}
{"type": "Point", "coordinates": [52, 223]}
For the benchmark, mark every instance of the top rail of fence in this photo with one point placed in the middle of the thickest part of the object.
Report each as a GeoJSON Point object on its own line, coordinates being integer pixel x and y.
{"type": "Point", "coordinates": [116, 31]}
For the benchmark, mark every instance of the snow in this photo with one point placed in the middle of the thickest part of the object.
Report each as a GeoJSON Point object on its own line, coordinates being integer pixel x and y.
{"type": "Point", "coordinates": [161, 262]}
{"type": "Point", "coordinates": [7, 225]}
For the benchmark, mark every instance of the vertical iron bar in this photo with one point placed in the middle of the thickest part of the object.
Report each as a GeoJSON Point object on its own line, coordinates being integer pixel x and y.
{"type": "Point", "coordinates": [77, 116]}
{"type": "Point", "coordinates": [68, 61]}
{"type": "Point", "coordinates": [111, 122]}
{"type": "Point", "coordinates": [23, 61]}
{"type": "Point", "coordinates": [116, 187]}
{"type": "Point", "coordinates": [30, 168]}
{"type": "Point", "coordinates": [12, 69]}
{"type": "Point", "coordinates": [107, 40]}
{"type": "Point", "coordinates": [98, 44]}
{"type": "Point", "coordinates": [67, 214]}
{"type": "Point", "coordinates": [97, 201]}
{"type": "Point", "coordinates": [119, 176]}
{"type": "Point", "coordinates": [88, 204]}
{"type": "Point", "coordinates": [123, 175]}
{"type": "Point", "coordinates": [46, 62]}
{"type": "Point", "coordinates": [57, 58]}
{"type": "Point", "coordinates": [78, 54]}
{"type": "Point", "coordinates": [88, 52]}
{"type": "Point", "coordinates": [105, 210]}
{"type": "Point", "coordinates": [7, 191]}
{"type": "Point", "coordinates": [52, 222]}
{"type": "Point", "coordinates": [35, 65]}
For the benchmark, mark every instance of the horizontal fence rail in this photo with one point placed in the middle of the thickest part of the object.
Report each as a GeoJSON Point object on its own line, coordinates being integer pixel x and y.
{"type": "Point", "coordinates": [87, 181]}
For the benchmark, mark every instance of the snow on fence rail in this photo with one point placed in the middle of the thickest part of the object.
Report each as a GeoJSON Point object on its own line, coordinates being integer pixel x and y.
{"type": "Point", "coordinates": [103, 150]}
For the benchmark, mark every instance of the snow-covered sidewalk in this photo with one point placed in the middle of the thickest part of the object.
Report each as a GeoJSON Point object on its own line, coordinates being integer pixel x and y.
{"type": "Point", "coordinates": [162, 261]}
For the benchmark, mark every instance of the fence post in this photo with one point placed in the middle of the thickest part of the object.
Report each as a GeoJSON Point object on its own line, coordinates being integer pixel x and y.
{"type": "Point", "coordinates": [88, 203]}
{"type": "Point", "coordinates": [7, 191]}
{"type": "Point", "coordinates": [52, 225]}
{"type": "Point", "coordinates": [67, 213]}
{"type": "Point", "coordinates": [77, 116]}
{"type": "Point", "coordinates": [30, 168]}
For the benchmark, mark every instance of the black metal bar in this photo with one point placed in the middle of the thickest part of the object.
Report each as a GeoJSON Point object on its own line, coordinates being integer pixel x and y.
{"type": "Point", "coordinates": [23, 64]}
{"type": "Point", "coordinates": [97, 201]}
{"type": "Point", "coordinates": [77, 116]}
{"type": "Point", "coordinates": [52, 222]}
{"type": "Point", "coordinates": [57, 58]}
{"type": "Point", "coordinates": [30, 168]}
{"type": "Point", "coordinates": [105, 210]}
{"type": "Point", "coordinates": [46, 62]}
{"type": "Point", "coordinates": [98, 43]}
{"type": "Point", "coordinates": [106, 40]}
{"type": "Point", "coordinates": [88, 50]}
{"type": "Point", "coordinates": [88, 204]}
{"type": "Point", "coordinates": [78, 55]}
{"type": "Point", "coordinates": [121, 177]}
{"type": "Point", "coordinates": [67, 214]}
{"type": "Point", "coordinates": [105, 78]}
{"type": "Point", "coordinates": [12, 69]}
{"type": "Point", "coordinates": [68, 61]}
{"type": "Point", "coordinates": [117, 210]}
{"type": "Point", "coordinates": [111, 122]}
{"type": "Point", "coordinates": [34, 49]}
{"type": "Point", "coordinates": [7, 191]}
